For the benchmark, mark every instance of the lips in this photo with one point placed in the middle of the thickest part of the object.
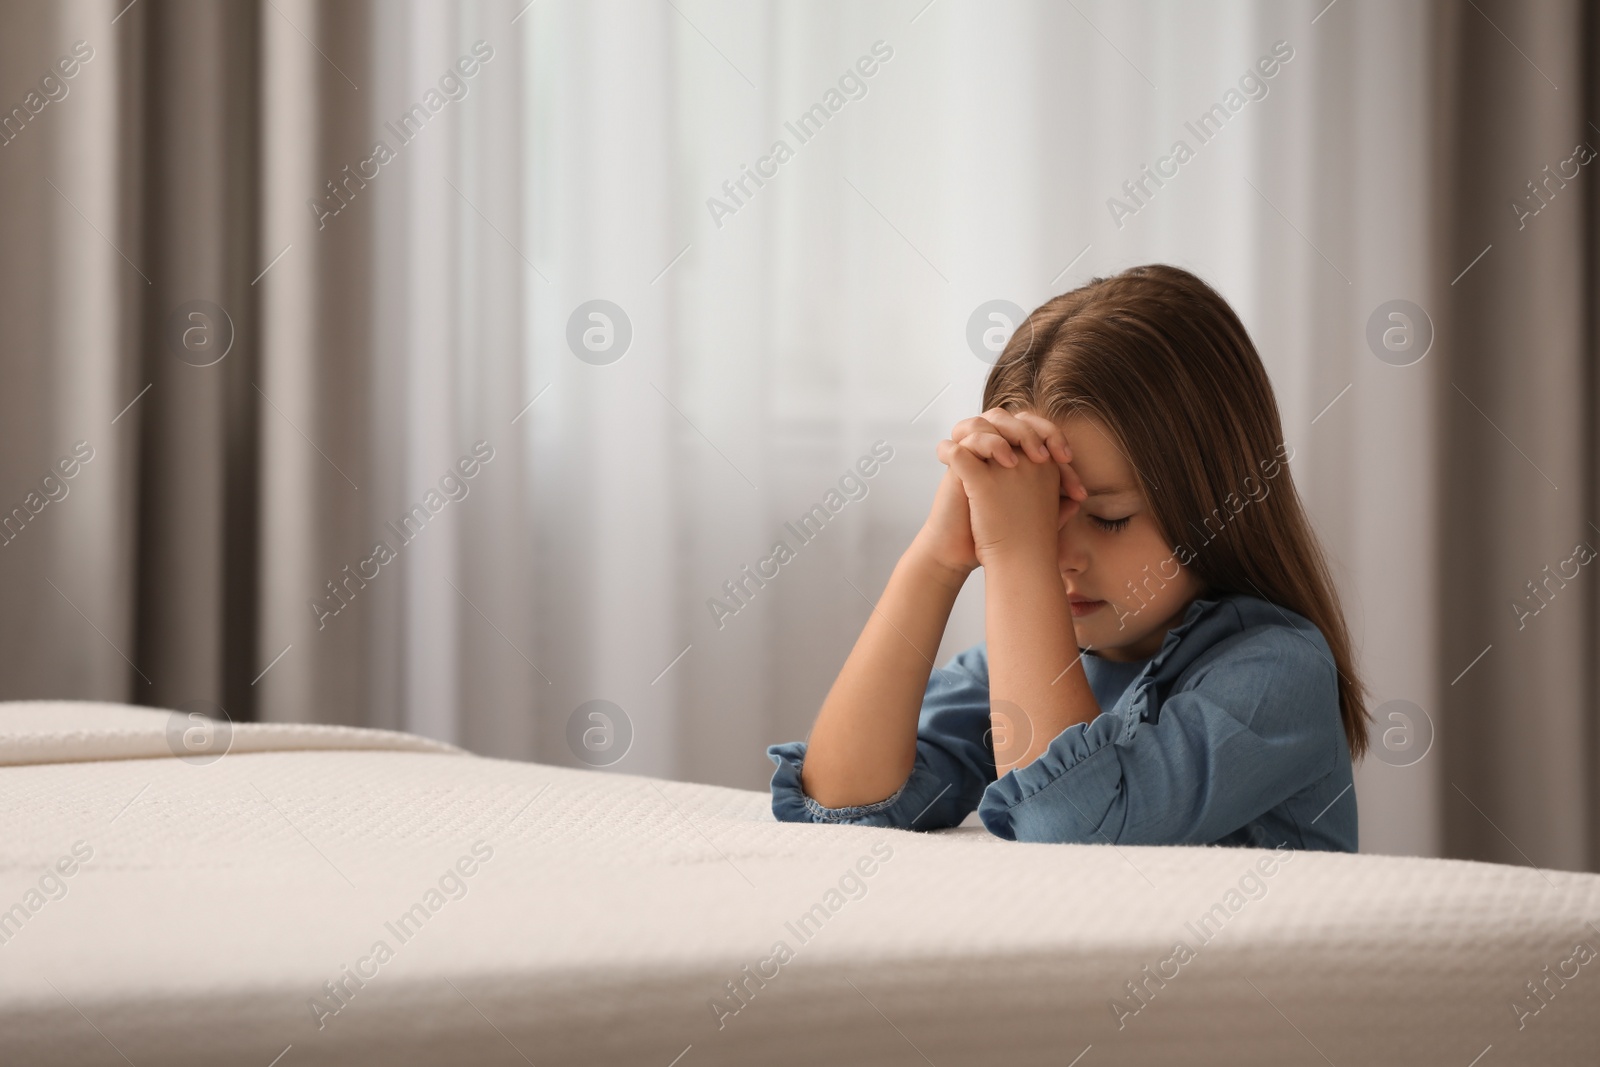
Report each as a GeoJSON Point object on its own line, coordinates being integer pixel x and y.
{"type": "Point", "coordinates": [1080, 606]}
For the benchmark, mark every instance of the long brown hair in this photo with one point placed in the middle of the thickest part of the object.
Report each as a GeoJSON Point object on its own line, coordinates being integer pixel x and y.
{"type": "Point", "coordinates": [1160, 358]}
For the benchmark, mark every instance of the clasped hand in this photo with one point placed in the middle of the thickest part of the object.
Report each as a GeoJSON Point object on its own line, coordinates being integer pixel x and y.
{"type": "Point", "coordinates": [1008, 490]}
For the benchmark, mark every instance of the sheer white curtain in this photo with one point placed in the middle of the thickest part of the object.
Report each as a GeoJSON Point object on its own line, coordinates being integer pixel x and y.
{"type": "Point", "coordinates": [774, 343]}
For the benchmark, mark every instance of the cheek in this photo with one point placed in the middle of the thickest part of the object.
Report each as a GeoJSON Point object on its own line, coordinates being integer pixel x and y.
{"type": "Point", "coordinates": [1149, 545]}
{"type": "Point", "coordinates": [1140, 556]}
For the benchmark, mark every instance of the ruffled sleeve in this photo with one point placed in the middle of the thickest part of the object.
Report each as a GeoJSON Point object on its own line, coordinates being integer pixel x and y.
{"type": "Point", "coordinates": [1254, 723]}
{"type": "Point", "coordinates": [954, 759]}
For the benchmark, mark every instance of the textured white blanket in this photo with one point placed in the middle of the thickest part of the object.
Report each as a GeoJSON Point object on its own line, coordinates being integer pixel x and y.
{"type": "Point", "coordinates": [337, 896]}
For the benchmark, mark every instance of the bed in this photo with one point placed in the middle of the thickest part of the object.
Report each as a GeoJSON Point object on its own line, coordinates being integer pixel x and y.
{"type": "Point", "coordinates": [189, 899]}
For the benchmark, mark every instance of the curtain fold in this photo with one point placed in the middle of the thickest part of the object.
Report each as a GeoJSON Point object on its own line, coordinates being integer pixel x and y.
{"type": "Point", "coordinates": [1519, 404]}
{"type": "Point", "coordinates": [443, 367]}
{"type": "Point", "coordinates": [70, 287]}
{"type": "Point", "coordinates": [195, 168]}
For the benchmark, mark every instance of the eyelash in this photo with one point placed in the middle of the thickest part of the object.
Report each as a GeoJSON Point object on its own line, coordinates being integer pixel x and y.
{"type": "Point", "coordinates": [1113, 525]}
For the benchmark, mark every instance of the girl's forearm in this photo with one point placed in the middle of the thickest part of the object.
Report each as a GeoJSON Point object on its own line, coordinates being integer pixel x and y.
{"type": "Point", "coordinates": [1037, 686]}
{"type": "Point", "coordinates": [864, 743]}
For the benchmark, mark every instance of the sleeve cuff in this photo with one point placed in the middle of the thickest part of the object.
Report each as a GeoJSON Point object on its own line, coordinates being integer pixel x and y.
{"type": "Point", "coordinates": [791, 804]}
{"type": "Point", "coordinates": [1064, 794]}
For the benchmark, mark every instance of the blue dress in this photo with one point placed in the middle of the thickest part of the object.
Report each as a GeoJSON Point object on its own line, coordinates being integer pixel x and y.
{"type": "Point", "coordinates": [1229, 735]}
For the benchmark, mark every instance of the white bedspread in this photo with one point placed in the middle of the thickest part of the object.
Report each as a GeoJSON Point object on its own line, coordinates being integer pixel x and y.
{"type": "Point", "coordinates": [567, 917]}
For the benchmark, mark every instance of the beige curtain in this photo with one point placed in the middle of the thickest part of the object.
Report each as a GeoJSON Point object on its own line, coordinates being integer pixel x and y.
{"type": "Point", "coordinates": [374, 340]}
{"type": "Point", "coordinates": [265, 384]}
{"type": "Point", "coordinates": [1517, 92]}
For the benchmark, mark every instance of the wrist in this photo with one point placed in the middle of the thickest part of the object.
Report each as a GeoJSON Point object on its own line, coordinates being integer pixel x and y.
{"type": "Point", "coordinates": [1028, 562]}
{"type": "Point", "coordinates": [929, 567]}
{"type": "Point", "coordinates": [1017, 553]}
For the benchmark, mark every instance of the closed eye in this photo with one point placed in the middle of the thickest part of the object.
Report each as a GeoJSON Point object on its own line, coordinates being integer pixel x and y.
{"type": "Point", "coordinates": [1113, 525]}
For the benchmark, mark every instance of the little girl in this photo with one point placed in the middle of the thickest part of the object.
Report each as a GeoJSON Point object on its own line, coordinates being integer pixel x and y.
{"type": "Point", "coordinates": [1165, 660]}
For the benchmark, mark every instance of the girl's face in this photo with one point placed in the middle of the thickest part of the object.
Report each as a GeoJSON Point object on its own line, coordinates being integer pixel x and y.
{"type": "Point", "coordinates": [1111, 553]}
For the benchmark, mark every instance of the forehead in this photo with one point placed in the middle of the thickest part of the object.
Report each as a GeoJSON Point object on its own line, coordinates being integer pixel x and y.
{"type": "Point", "coordinates": [1098, 458]}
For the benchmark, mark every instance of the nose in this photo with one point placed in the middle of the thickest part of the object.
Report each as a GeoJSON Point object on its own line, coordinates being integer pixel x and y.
{"type": "Point", "coordinates": [1071, 556]}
